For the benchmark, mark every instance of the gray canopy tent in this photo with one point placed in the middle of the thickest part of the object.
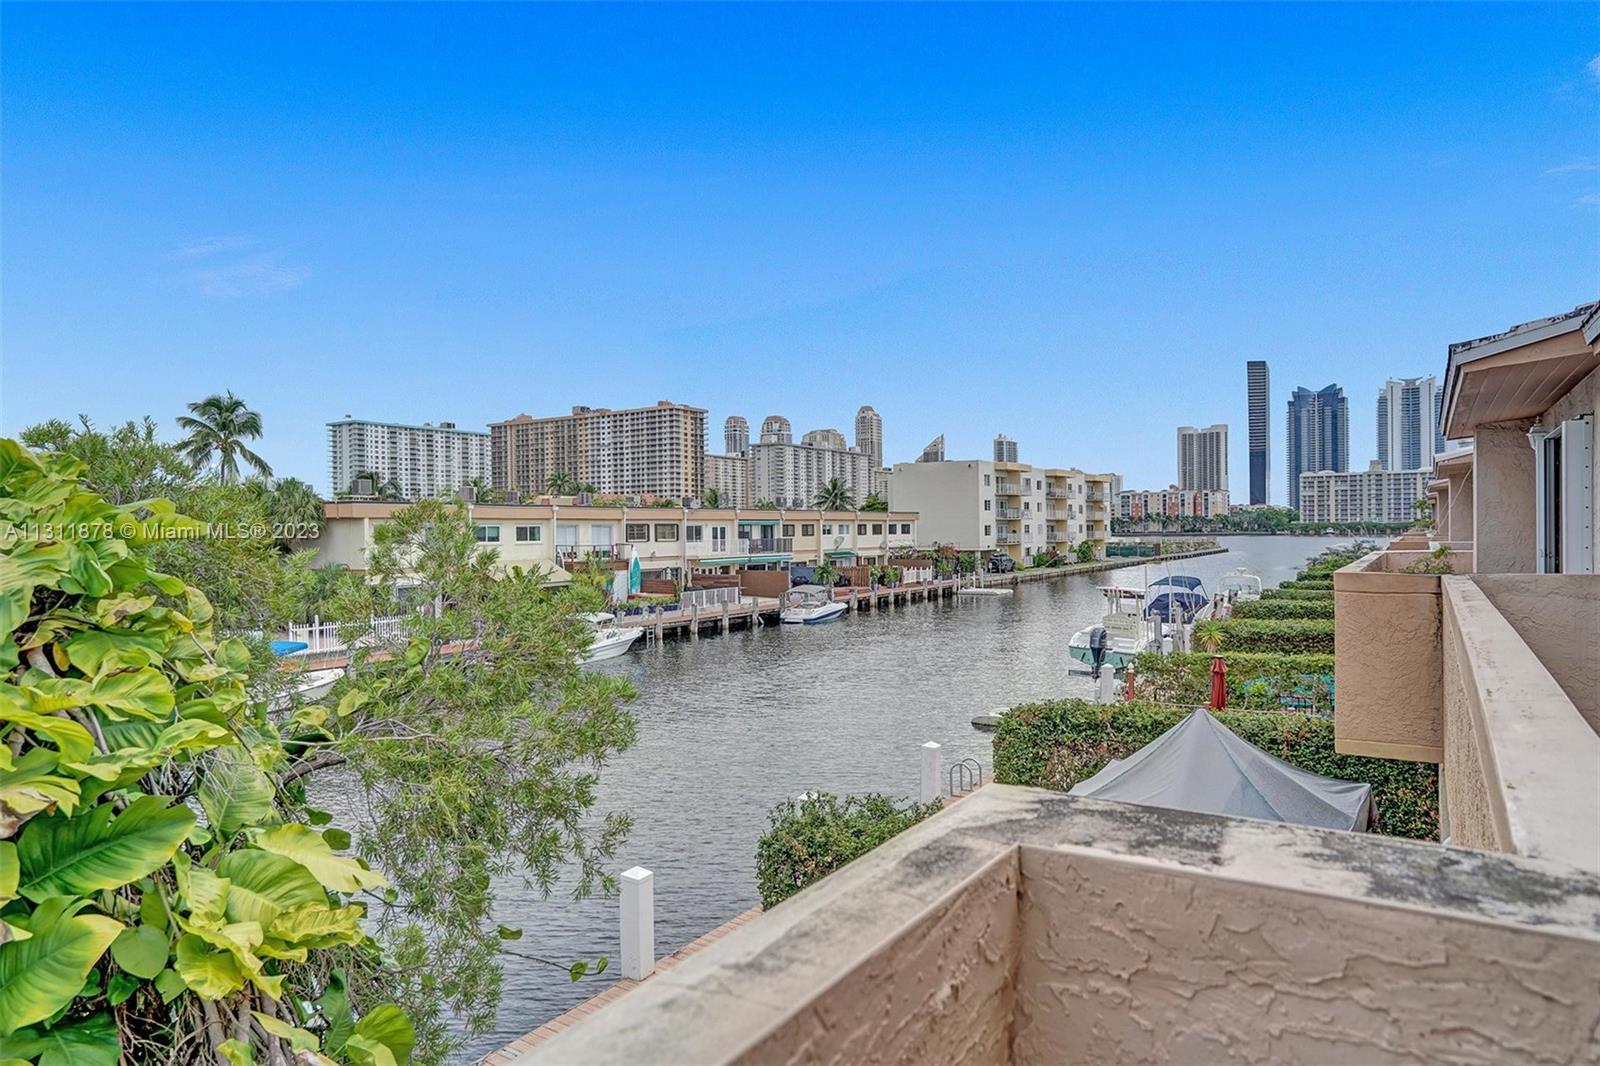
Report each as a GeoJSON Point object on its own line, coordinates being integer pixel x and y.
{"type": "Point", "coordinates": [1202, 765]}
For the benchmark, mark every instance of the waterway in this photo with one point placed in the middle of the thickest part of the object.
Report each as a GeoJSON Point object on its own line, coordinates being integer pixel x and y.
{"type": "Point", "coordinates": [731, 725]}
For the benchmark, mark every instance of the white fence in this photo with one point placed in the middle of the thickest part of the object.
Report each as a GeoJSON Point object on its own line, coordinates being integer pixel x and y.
{"type": "Point", "coordinates": [709, 597]}
{"type": "Point", "coordinates": [321, 637]}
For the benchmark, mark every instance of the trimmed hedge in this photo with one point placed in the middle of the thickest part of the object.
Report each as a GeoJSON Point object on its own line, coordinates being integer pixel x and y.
{"type": "Point", "coordinates": [1285, 593]}
{"type": "Point", "coordinates": [1057, 744]}
{"type": "Point", "coordinates": [810, 838]}
{"type": "Point", "coordinates": [1255, 681]}
{"type": "Point", "coordinates": [1278, 636]}
{"type": "Point", "coordinates": [1324, 584]}
{"type": "Point", "coordinates": [1283, 608]}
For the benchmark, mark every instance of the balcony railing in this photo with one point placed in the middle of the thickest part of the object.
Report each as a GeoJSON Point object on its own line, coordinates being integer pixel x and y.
{"type": "Point", "coordinates": [1003, 537]}
{"type": "Point", "coordinates": [1057, 494]}
{"type": "Point", "coordinates": [1008, 488]}
{"type": "Point", "coordinates": [767, 545]}
{"type": "Point", "coordinates": [573, 554]}
{"type": "Point", "coordinates": [1053, 537]}
{"type": "Point", "coordinates": [1010, 514]}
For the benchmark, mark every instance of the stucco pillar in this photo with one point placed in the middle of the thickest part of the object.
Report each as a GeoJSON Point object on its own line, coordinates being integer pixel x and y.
{"type": "Point", "coordinates": [1440, 498]}
{"type": "Point", "coordinates": [1503, 518]}
{"type": "Point", "coordinates": [1461, 528]}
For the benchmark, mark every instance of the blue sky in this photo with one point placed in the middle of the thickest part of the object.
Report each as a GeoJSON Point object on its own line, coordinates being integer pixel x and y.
{"type": "Point", "coordinates": [1069, 224]}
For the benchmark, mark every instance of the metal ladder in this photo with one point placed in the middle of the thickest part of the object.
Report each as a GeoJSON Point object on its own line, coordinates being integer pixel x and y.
{"type": "Point", "coordinates": [964, 776]}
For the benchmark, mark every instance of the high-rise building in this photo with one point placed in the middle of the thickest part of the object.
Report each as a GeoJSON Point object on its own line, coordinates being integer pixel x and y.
{"type": "Point", "coordinates": [776, 430]}
{"type": "Point", "coordinates": [792, 475]}
{"type": "Point", "coordinates": [934, 451]}
{"type": "Point", "coordinates": [730, 476]}
{"type": "Point", "coordinates": [1172, 502]}
{"type": "Point", "coordinates": [736, 435]}
{"type": "Point", "coordinates": [1408, 424]}
{"type": "Point", "coordinates": [1203, 458]}
{"type": "Point", "coordinates": [1316, 435]}
{"type": "Point", "coordinates": [1371, 495]}
{"type": "Point", "coordinates": [1005, 449]}
{"type": "Point", "coordinates": [869, 435]}
{"type": "Point", "coordinates": [422, 461]}
{"type": "Point", "coordinates": [1258, 387]}
{"type": "Point", "coordinates": [643, 451]}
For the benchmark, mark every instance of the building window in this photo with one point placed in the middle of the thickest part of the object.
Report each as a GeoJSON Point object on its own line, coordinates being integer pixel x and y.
{"type": "Point", "coordinates": [693, 534]}
{"type": "Point", "coordinates": [877, 529]}
{"type": "Point", "coordinates": [788, 529]}
{"type": "Point", "coordinates": [488, 534]}
{"type": "Point", "coordinates": [905, 527]}
{"type": "Point", "coordinates": [666, 531]}
{"type": "Point", "coordinates": [744, 532]}
{"type": "Point", "coordinates": [827, 530]}
{"type": "Point", "coordinates": [1027, 484]}
{"type": "Point", "coordinates": [808, 529]}
{"type": "Point", "coordinates": [529, 534]}
{"type": "Point", "coordinates": [988, 531]}
{"type": "Point", "coordinates": [636, 531]}
{"type": "Point", "coordinates": [987, 480]}
{"type": "Point", "coordinates": [986, 504]}
{"type": "Point", "coordinates": [861, 529]}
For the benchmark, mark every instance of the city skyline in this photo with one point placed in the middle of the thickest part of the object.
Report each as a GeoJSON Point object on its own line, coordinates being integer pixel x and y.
{"type": "Point", "coordinates": [680, 225]}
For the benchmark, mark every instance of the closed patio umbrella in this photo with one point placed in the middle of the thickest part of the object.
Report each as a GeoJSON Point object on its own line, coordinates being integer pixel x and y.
{"type": "Point", "coordinates": [1219, 683]}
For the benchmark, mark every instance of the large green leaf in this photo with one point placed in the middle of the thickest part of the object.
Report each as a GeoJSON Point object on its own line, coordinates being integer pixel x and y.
{"type": "Point", "coordinates": [141, 950]}
{"type": "Point", "coordinates": [63, 855]}
{"type": "Point", "coordinates": [91, 1042]}
{"type": "Point", "coordinates": [265, 885]}
{"type": "Point", "coordinates": [211, 974]}
{"type": "Point", "coordinates": [42, 974]}
{"type": "Point", "coordinates": [234, 793]}
{"type": "Point", "coordinates": [10, 871]}
{"type": "Point", "coordinates": [389, 1026]}
{"type": "Point", "coordinates": [32, 785]}
{"type": "Point", "coordinates": [306, 847]}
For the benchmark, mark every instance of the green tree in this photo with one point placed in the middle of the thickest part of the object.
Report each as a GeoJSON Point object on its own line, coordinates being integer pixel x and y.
{"type": "Point", "coordinates": [385, 490]}
{"type": "Point", "coordinates": [561, 484]}
{"type": "Point", "coordinates": [218, 428]}
{"type": "Point", "coordinates": [835, 496]}
{"type": "Point", "coordinates": [1084, 550]}
{"type": "Point", "coordinates": [127, 464]}
{"type": "Point", "coordinates": [163, 898]}
{"type": "Point", "coordinates": [766, 505]}
{"type": "Point", "coordinates": [291, 505]}
{"type": "Point", "coordinates": [825, 574]}
{"type": "Point", "coordinates": [484, 492]}
{"type": "Point", "coordinates": [711, 498]}
{"type": "Point", "coordinates": [874, 502]}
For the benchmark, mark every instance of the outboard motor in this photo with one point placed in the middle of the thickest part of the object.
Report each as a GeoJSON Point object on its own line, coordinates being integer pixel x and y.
{"type": "Point", "coordinates": [1097, 650]}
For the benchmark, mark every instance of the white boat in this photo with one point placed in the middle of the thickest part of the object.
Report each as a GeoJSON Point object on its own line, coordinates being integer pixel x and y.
{"type": "Point", "coordinates": [1239, 584]}
{"type": "Point", "coordinates": [1127, 630]}
{"type": "Point", "coordinates": [810, 605]}
{"type": "Point", "coordinates": [610, 639]}
{"type": "Point", "coordinates": [307, 686]}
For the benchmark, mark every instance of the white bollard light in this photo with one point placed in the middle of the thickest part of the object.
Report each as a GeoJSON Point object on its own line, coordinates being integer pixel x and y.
{"type": "Point", "coordinates": [638, 923]}
{"type": "Point", "coordinates": [930, 772]}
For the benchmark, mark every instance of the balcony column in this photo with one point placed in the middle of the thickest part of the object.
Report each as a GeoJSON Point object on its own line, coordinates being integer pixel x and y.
{"type": "Point", "coordinates": [1461, 527]}
{"type": "Point", "coordinates": [1504, 526]}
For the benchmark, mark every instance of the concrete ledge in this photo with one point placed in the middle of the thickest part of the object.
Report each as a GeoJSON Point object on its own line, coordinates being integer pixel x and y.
{"type": "Point", "coordinates": [1022, 925]}
{"type": "Point", "coordinates": [1522, 772]}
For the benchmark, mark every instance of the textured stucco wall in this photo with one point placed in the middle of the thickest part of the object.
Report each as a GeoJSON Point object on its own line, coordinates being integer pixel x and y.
{"type": "Point", "coordinates": [1126, 962]}
{"type": "Point", "coordinates": [1558, 615]}
{"type": "Point", "coordinates": [1461, 529]}
{"type": "Point", "coordinates": [1503, 508]}
{"type": "Point", "coordinates": [1387, 670]}
{"type": "Point", "coordinates": [1467, 818]}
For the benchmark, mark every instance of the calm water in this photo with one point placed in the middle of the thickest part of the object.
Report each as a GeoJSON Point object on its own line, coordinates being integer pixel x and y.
{"type": "Point", "coordinates": [731, 725]}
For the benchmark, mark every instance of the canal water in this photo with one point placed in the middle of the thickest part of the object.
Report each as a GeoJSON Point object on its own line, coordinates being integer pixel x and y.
{"type": "Point", "coordinates": [731, 725]}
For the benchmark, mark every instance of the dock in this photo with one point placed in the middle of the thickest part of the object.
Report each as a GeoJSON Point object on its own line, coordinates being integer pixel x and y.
{"type": "Point", "coordinates": [757, 611]}
{"type": "Point", "coordinates": [1017, 577]}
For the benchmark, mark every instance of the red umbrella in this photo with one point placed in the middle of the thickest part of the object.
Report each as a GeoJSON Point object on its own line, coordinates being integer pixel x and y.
{"type": "Point", "coordinates": [1219, 683]}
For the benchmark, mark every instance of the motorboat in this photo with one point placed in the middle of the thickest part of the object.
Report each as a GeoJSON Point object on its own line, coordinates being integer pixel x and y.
{"type": "Point", "coordinates": [1239, 584]}
{"type": "Point", "coordinates": [1124, 631]}
{"type": "Point", "coordinates": [810, 605]}
{"type": "Point", "coordinates": [1180, 599]}
{"type": "Point", "coordinates": [610, 639]}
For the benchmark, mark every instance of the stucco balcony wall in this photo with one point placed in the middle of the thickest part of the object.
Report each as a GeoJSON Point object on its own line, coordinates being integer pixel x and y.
{"type": "Point", "coordinates": [1026, 926]}
{"type": "Point", "coordinates": [1389, 668]}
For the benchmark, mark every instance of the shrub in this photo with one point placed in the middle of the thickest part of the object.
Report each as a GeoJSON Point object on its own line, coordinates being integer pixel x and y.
{"type": "Point", "coordinates": [1057, 744]}
{"type": "Point", "coordinates": [1255, 681]}
{"type": "Point", "coordinates": [810, 838]}
{"type": "Point", "coordinates": [1324, 582]}
{"type": "Point", "coordinates": [1286, 592]}
{"type": "Point", "coordinates": [1283, 608]}
{"type": "Point", "coordinates": [1280, 636]}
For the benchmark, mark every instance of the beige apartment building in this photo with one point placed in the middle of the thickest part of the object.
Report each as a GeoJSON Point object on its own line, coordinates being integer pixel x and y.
{"type": "Point", "coordinates": [985, 506]}
{"type": "Point", "coordinates": [654, 451]}
{"type": "Point", "coordinates": [668, 542]}
{"type": "Point", "coordinates": [730, 476]}
{"type": "Point", "coordinates": [1370, 495]}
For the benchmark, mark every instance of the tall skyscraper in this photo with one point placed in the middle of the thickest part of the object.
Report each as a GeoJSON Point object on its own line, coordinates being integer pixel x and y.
{"type": "Point", "coordinates": [1203, 458]}
{"type": "Point", "coordinates": [869, 435]}
{"type": "Point", "coordinates": [775, 429]}
{"type": "Point", "coordinates": [736, 435]}
{"type": "Point", "coordinates": [1005, 449]}
{"type": "Point", "coordinates": [1408, 424]}
{"type": "Point", "coordinates": [1258, 388]}
{"type": "Point", "coordinates": [422, 461]}
{"type": "Point", "coordinates": [1316, 435]}
{"type": "Point", "coordinates": [644, 451]}
{"type": "Point", "coordinates": [792, 475]}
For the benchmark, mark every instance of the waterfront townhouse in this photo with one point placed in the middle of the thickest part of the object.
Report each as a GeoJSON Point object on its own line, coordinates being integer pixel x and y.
{"type": "Point", "coordinates": [671, 544]}
{"type": "Point", "coordinates": [1474, 647]}
{"type": "Point", "coordinates": [986, 506]}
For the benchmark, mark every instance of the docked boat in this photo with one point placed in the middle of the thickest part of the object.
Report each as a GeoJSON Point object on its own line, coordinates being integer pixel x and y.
{"type": "Point", "coordinates": [1124, 631]}
{"type": "Point", "coordinates": [1239, 584]}
{"type": "Point", "coordinates": [610, 639]}
{"type": "Point", "coordinates": [810, 605]}
{"type": "Point", "coordinates": [1180, 600]}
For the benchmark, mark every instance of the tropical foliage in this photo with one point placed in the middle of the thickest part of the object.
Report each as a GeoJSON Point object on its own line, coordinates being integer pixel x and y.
{"type": "Point", "coordinates": [1256, 681]}
{"type": "Point", "coordinates": [218, 427]}
{"type": "Point", "coordinates": [383, 489]}
{"type": "Point", "coordinates": [811, 837]}
{"type": "Point", "coordinates": [1283, 607]}
{"type": "Point", "coordinates": [874, 502]}
{"type": "Point", "coordinates": [711, 498]}
{"type": "Point", "coordinates": [835, 495]}
{"type": "Point", "coordinates": [561, 483]}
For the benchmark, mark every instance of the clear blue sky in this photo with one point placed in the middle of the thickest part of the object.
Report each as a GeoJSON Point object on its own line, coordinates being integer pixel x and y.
{"type": "Point", "coordinates": [1069, 224]}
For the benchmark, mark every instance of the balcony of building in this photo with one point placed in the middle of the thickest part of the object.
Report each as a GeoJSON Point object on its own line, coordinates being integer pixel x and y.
{"type": "Point", "coordinates": [1026, 926]}
{"type": "Point", "coordinates": [1008, 514]}
{"type": "Point", "coordinates": [569, 555]}
{"type": "Point", "coordinates": [1008, 488]}
{"type": "Point", "coordinates": [1007, 536]}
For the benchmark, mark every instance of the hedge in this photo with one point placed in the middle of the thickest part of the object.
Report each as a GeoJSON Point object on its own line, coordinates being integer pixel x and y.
{"type": "Point", "coordinates": [1057, 744]}
{"type": "Point", "coordinates": [1285, 592]}
{"type": "Point", "coordinates": [810, 838]}
{"type": "Point", "coordinates": [1283, 608]}
{"type": "Point", "coordinates": [1254, 681]}
{"type": "Point", "coordinates": [1278, 636]}
{"type": "Point", "coordinates": [1323, 583]}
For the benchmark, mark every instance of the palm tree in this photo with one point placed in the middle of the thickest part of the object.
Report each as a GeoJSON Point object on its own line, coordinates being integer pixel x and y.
{"type": "Point", "coordinates": [484, 492]}
{"type": "Point", "coordinates": [711, 498]}
{"type": "Point", "coordinates": [561, 483]}
{"type": "Point", "coordinates": [836, 496]}
{"type": "Point", "coordinates": [825, 574]}
{"type": "Point", "coordinates": [293, 503]}
{"type": "Point", "coordinates": [384, 489]}
{"type": "Point", "coordinates": [1210, 635]}
{"type": "Point", "coordinates": [218, 427]}
{"type": "Point", "coordinates": [874, 502]}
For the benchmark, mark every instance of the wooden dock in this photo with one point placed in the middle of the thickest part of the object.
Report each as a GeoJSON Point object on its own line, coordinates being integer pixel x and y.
{"type": "Point", "coordinates": [725, 617]}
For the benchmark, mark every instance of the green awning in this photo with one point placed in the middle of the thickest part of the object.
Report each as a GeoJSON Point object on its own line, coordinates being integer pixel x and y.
{"type": "Point", "coordinates": [841, 554]}
{"type": "Point", "coordinates": [743, 560]}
